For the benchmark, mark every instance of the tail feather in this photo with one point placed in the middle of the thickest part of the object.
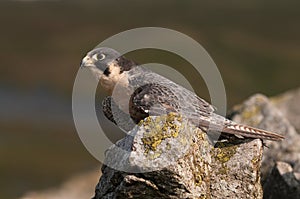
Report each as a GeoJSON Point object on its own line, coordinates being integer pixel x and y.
{"type": "Point", "coordinates": [247, 131]}
{"type": "Point", "coordinates": [227, 126]}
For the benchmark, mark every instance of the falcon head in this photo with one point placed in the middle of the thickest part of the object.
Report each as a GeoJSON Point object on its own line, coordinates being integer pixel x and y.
{"type": "Point", "coordinates": [99, 59]}
{"type": "Point", "coordinates": [107, 65]}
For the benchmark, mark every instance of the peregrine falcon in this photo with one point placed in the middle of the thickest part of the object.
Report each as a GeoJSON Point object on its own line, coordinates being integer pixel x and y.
{"type": "Point", "coordinates": [137, 92]}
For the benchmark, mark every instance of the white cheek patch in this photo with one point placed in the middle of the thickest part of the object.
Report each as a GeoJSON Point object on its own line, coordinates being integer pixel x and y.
{"type": "Point", "coordinates": [96, 72]}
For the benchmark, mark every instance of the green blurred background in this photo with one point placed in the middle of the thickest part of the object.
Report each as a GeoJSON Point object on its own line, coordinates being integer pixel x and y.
{"type": "Point", "coordinates": [255, 44]}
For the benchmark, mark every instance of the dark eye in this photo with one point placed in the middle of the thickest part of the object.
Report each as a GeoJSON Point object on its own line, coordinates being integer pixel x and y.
{"type": "Point", "coordinates": [99, 56]}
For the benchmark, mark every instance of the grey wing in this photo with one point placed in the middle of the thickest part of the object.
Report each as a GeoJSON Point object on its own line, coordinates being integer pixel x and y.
{"type": "Point", "coordinates": [159, 95]}
{"type": "Point", "coordinates": [153, 92]}
{"type": "Point", "coordinates": [158, 99]}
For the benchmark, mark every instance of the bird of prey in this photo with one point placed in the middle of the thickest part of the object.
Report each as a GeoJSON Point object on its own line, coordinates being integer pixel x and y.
{"type": "Point", "coordinates": [137, 93]}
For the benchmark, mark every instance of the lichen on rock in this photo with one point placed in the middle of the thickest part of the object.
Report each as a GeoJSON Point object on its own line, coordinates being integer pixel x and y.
{"type": "Point", "coordinates": [178, 160]}
{"type": "Point", "coordinates": [160, 129]}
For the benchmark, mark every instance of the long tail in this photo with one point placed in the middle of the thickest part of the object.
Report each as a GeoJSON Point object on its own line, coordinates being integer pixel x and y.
{"type": "Point", "coordinates": [227, 126]}
{"type": "Point", "coordinates": [247, 131]}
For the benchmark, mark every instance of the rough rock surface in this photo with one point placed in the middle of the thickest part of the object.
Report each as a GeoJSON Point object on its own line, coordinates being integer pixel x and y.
{"type": "Point", "coordinates": [259, 112]}
{"type": "Point", "coordinates": [288, 103]}
{"type": "Point", "coordinates": [282, 183]}
{"type": "Point", "coordinates": [180, 163]}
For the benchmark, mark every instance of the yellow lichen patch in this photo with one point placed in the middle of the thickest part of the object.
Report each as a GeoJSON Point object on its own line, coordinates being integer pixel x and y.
{"type": "Point", "coordinates": [200, 134]}
{"type": "Point", "coordinates": [154, 155]}
{"type": "Point", "coordinates": [255, 160]}
{"type": "Point", "coordinates": [159, 129]}
{"type": "Point", "coordinates": [223, 153]}
{"type": "Point", "coordinates": [200, 165]}
{"type": "Point", "coordinates": [199, 173]}
{"type": "Point", "coordinates": [175, 133]}
{"type": "Point", "coordinates": [198, 179]}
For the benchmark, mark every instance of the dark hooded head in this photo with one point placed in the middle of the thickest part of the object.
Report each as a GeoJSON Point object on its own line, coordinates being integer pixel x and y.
{"type": "Point", "coordinates": [100, 58]}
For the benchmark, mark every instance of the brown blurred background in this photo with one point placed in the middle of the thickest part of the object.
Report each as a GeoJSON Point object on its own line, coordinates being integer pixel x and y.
{"type": "Point", "coordinates": [255, 44]}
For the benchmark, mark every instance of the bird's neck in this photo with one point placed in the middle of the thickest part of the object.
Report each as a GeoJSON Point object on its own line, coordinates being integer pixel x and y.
{"type": "Point", "coordinates": [115, 77]}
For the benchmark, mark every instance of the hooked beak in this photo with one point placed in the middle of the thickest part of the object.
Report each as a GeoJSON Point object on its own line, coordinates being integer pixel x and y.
{"type": "Point", "coordinates": [86, 62]}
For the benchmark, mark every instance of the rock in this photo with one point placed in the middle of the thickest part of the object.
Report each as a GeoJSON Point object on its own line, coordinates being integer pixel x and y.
{"type": "Point", "coordinates": [166, 157]}
{"type": "Point", "coordinates": [259, 112]}
{"type": "Point", "coordinates": [288, 104]}
{"type": "Point", "coordinates": [282, 183]}
{"type": "Point", "coordinates": [235, 170]}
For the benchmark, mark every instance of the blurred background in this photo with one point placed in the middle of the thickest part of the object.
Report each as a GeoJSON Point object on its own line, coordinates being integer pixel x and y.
{"type": "Point", "coordinates": [255, 44]}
